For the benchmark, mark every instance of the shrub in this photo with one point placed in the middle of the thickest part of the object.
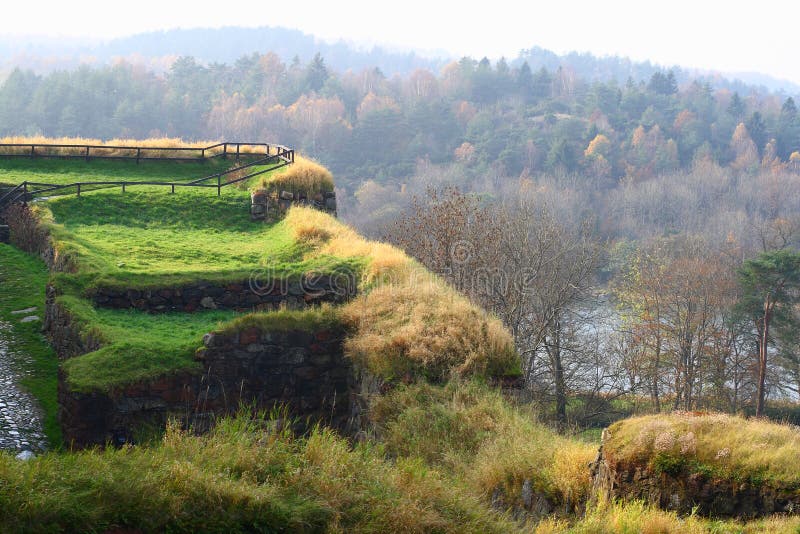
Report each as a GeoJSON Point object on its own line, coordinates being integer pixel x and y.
{"type": "Point", "coordinates": [303, 175]}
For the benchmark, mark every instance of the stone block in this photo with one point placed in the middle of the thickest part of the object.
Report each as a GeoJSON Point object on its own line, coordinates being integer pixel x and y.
{"type": "Point", "coordinates": [306, 373]}
{"type": "Point", "coordinates": [249, 335]}
{"type": "Point", "coordinates": [293, 356]}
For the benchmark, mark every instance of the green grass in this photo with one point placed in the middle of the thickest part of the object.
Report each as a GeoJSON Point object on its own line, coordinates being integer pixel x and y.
{"type": "Point", "coordinates": [150, 239]}
{"type": "Point", "coordinates": [22, 279]}
{"type": "Point", "coordinates": [153, 238]}
{"type": "Point", "coordinates": [58, 171]}
{"type": "Point", "coordinates": [309, 320]}
{"type": "Point", "coordinates": [136, 346]}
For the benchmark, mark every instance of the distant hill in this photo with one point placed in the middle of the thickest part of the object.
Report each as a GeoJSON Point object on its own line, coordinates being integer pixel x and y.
{"type": "Point", "coordinates": [222, 45]}
{"type": "Point", "coordinates": [225, 45]}
{"type": "Point", "coordinates": [606, 68]}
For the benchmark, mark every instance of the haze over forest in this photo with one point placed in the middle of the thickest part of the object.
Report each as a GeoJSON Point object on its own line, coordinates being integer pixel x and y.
{"type": "Point", "coordinates": [548, 292]}
{"type": "Point", "coordinates": [656, 166]}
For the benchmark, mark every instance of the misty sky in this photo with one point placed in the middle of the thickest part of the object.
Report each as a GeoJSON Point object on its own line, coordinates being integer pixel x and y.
{"type": "Point", "coordinates": [733, 36]}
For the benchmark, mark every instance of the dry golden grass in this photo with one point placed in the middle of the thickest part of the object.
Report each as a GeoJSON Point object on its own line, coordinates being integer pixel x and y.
{"type": "Point", "coordinates": [406, 320]}
{"type": "Point", "coordinates": [164, 142]}
{"type": "Point", "coordinates": [639, 518]}
{"type": "Point", "coordinates": [303, 175]}
{"type": "Point", "coordinates": [636, 518]}
{"type": "Point", "coordinates": [524, 450]}
{"type": "Point", "coordinates": [470, 430]}
{"type": "Point", "coordinates": [729, 445]}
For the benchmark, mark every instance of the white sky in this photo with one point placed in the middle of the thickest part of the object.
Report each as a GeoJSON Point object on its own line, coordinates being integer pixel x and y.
{"type": "Point", "coordinates": [728, 36]}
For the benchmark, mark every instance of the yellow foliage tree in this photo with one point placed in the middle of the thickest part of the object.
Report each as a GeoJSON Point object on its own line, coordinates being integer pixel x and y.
{"type": "Point", "coordinates": [745, 150]}
{"type": "Point", "coordinates": [373, 102]}
{"type": "Point", "coordinates": [598, 147]}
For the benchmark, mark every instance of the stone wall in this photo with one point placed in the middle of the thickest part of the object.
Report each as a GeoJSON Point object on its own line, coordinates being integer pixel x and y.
{"type": "Point", "coordinates": [240, 296]}
{"type": "Point", "coordinates": [690, 492]}
{"type": "Point", "coordinates": [63, 333]}
{"type": "Point", "coordinates": [305, 371]}
{"type": "Point", "coordinates": [28, 234]}
{"type": "Point", "coordinates": [271, 206]}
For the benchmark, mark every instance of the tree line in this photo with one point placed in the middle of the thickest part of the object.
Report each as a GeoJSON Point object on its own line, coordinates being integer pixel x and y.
{"type": "Point", "coordinates": [365, 125]}
{"type": "Point", "coordinates": [638, 239]}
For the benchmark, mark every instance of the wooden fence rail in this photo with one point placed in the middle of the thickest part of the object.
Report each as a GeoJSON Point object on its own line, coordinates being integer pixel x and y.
{"type": "Point", "coordinates": [138, 153]}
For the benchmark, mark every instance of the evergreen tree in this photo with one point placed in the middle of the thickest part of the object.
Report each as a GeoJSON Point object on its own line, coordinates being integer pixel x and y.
{"type": "Point", "coordinates": [316, 73]}
{"type": "Point", "coordinates": [736, 108]}
{"type": "Point", "coordinates": [758, 131]}
{"type": "Point", "coordinates": [769, 285]}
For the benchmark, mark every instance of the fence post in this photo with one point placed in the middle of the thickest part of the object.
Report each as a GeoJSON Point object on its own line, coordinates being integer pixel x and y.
{"type": "Point", "coordinates": [237, 151]}
{"type": "Point", "coordinates": [173, 189]}
{"type": "Point", "coordinates": [203, 154]}
{"type": "Point", "coordinates": [87, 152]}
{"type": "Point", "coordinates": [79, 189]}
{"type": "Point", "coordinates": [138, 154]}
{"type": "Point", "coordinates": [123, 187]}
{"type": "Point", "coordinates": [219, 184]}
{"type": "Point", "coordinates": [225, 151]}
{"type": "Point", "coordinates": [33, 151]}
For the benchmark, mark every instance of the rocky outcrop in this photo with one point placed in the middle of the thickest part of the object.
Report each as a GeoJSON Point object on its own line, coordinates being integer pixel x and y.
{"type": "Point", "coordinates": [271, 206]}
{"type": "Point", "coordinates": [686, 490]}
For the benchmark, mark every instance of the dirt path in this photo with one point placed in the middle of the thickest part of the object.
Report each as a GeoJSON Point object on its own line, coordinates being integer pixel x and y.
{"type": "Point", "coordinates": [20, 416]}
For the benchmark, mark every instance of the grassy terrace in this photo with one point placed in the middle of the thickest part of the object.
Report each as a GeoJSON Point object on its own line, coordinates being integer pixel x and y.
{"type": "Point", "coordinates": [158, 239]}
{"type": "Point", "coordinates": [406, 321]}
{"type": "Point", "coordinates": [151, 238]}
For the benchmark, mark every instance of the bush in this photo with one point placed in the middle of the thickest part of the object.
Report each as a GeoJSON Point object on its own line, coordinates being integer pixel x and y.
{"type": "Point", "coordinates": [304, 175]}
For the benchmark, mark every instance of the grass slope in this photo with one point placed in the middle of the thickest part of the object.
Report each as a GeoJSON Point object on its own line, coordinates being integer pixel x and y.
{"type": "Point", "coordinates": [22, 281]}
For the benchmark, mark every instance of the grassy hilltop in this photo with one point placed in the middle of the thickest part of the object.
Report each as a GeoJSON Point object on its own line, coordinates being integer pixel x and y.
{"type": "Point", "coordinates": [444, 446]}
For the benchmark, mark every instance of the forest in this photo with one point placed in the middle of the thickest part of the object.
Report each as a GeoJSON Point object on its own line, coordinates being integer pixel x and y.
{"type": "Point", "coordinates": [637, 236]}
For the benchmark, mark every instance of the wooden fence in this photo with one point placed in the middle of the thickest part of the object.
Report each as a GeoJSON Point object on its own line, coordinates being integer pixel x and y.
{"type": "Point", "coordinates": [138, 153]}
{"type": "Point", "coordinates": [29, 190]}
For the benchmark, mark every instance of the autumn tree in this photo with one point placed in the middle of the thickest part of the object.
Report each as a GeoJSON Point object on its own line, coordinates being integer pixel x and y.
{"type": "Point", "coordinates": [516, 259]}
{"type": "Point", "coordinates": [744, 150]}
{"type": "Point", "coordinates": [674, 296]}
